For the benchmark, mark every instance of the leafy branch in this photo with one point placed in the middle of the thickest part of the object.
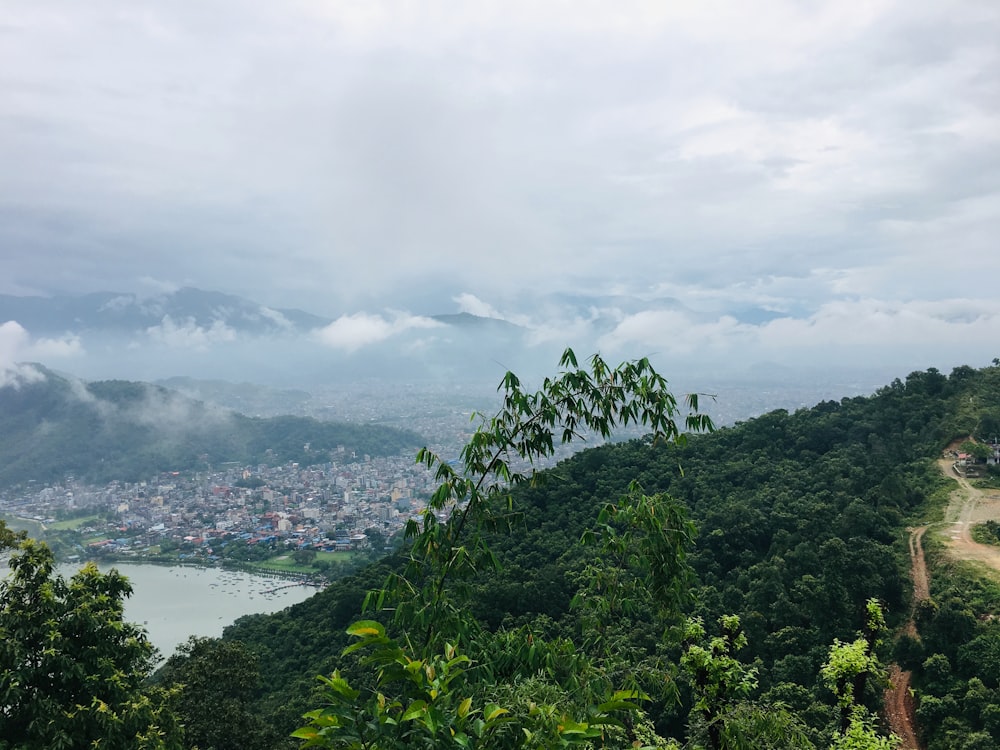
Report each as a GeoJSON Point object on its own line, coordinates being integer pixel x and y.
{"type": "Point", "coordinates": [595, 399]}
{"type": "Point", "coordinates": [424, 693]}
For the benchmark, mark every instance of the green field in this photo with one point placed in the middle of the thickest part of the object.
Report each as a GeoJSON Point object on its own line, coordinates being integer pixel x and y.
{"type": "Point", "coordinates": [335, 556]}
{"type": "Point", "coordinates": [73, 523]}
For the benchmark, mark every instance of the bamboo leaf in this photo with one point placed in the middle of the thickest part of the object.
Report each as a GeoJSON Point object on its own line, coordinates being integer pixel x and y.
{"type": "Point", "coordinates": [366, 628]}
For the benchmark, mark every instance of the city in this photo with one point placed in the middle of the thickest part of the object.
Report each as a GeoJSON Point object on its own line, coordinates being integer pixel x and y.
{"type": "Point", "coordinates": [238, 514]}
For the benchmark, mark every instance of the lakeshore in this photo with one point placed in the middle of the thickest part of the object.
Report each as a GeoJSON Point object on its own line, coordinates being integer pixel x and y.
{"type": "Point", "coordinates": [175, 602]}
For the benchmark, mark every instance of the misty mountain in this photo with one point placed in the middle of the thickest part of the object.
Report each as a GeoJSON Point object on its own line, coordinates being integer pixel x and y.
{"type": "Point", "coordinates": [52, 426]}
{"type": "Point", "coordinates": [109, 312]}
{"type": "Point", "coordinates": [246, 398]}
{"type": "Point", "coordinates": [209, 335]}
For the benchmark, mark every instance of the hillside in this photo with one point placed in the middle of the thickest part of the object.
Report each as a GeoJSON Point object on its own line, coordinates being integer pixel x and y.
{"type": "Point", "coordinates": [801, 519]}
{"type": "Point", "coordinates": [52, 426]}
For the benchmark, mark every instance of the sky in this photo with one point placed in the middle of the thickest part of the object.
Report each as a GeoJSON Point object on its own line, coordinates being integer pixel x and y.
{"type": "Point", "coordinates": [803, 182]}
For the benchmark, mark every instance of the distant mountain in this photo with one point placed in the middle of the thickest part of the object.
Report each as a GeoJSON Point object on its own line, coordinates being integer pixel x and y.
{"type": "Point", "coordinates": [52, 426]}
{"type": "Point", "coordinates": [210, 335]}
{"type": "Point", "coordinates": [121, 313]}
{"type": "Point", "coordinates": [114, 312]}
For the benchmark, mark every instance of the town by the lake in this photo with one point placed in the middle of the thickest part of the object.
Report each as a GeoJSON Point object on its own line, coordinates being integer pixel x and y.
{"type": "Point", "coordinates": [288, 518]}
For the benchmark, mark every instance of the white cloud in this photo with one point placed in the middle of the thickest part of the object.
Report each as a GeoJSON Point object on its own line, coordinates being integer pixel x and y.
{"type": "Point", "coordinates": [189, 335]}
{"type": "Point", "coordinates": [63, 347]}
{"type": "Point", "coordinates": [674, 332]}
{"type": "Point", "coordinates": [843, 332]}
{"type": "Point", "coordinates": [352, 332]}
{"type": "Point", "coordinates": [870, 324]}
{"type": "Point", "coordinates": [14, 340]}
{"type": "Point", "coordinates": [16, 375]}
{"type": "Point", "coordinates": [121, 302]}
{"type": "Point", "coordinates": [18, 347]}
{"type": "Point", "coordinates": [331, 156]}
{"type": "Point", "coordinates": [276, 317]}
{"type": "Point", "coordinates": [470, 303]}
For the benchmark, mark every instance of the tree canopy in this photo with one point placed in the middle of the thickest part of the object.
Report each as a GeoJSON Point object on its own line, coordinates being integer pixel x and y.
{"type": "Point", "coordinates": [675, 592]}
{"type": "Point", "coordinates": [72, 670]}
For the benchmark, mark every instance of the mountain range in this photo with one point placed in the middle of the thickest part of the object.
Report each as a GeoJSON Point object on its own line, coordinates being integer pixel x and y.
{"type": "Point", "coordinates": [211, 335]}
{"type": "Point", "coordinates": [123, 313]}
{"type": "Point", "coordinates": [128, 313]}
{"type": "Point", "coordinates": [208, 335]}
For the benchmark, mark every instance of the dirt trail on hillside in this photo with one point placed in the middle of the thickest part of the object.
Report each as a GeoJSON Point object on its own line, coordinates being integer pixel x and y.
{"type": "Point", "coordinates": [899, 709]}
{"type": "Point", "coordinates": [898, 700]}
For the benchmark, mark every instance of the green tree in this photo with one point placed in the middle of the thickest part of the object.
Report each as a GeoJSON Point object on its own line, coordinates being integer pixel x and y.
{"type": "Point", "coordinates": [422, 694]}
{"type": "Point", "coordinates": [848, 672]}
{"type": "Point", "coordinates": [214, 681]}
{"type": "Point", "coordinates": [71, 669]}
{"type": "Point", "coordinates": [305, 557]}
{"type": "Point", "coordinates": [722, 713]}
{"type": "Point", "coordinates": [980, 451]}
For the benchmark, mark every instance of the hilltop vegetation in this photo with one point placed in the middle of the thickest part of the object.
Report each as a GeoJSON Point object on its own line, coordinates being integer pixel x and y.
{"type": "Point", "coordinates": [51, 426]}
{"type": "Point", "coordinates": [736, 589]}
{"type": "Point", "coordinates": [800, 520]}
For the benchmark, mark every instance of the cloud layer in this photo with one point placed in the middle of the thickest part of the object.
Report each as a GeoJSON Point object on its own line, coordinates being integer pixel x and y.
{"type": "Point", "coordinates": [18, 348]}
{"type": "Point", "coordinates": [761, 177]}
{"type": "Point", "coordinates": [352, 332]}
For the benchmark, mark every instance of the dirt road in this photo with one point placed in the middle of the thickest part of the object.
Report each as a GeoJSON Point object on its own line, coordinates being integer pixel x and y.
{"type": "Point", "coordinates": [921, 583]}
{"type": "Point", "coordinates": [898, 700]}
{"type": "Point", "coordinates": [899, 708]}
{"type": "Point", "coordinates": [966, 507]}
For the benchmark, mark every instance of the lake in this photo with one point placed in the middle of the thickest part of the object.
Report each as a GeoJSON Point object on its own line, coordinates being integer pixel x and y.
{"type": "Point", "coordinates": [172, 603]}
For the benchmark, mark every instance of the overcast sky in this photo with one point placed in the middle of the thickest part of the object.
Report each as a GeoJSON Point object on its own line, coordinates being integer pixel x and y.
{"type": "Point", "coordinates": [786, 181]}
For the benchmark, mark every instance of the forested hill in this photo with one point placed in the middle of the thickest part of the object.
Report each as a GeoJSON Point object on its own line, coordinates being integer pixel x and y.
{"type": "Point", "coordinates": [51, 427]}
{"type": "Point", "coordinates": [800, 520]}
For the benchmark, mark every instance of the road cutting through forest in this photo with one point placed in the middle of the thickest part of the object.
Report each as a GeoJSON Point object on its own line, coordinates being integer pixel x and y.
{"type": "Point", "coordinates": [967, 506]}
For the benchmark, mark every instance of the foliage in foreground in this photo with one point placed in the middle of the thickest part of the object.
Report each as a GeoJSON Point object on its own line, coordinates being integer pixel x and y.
{"type": "Point", "coordinates": [421, 694]}
{"type": "Point", "coordinates": [71, 669]}
{"type": "Point", "coordinates": [428, 691]}
{"type": "Point", "coordinates": [610, 672]}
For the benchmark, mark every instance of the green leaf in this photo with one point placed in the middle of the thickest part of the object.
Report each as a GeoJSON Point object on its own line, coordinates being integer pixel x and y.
{"type": "Point", "coordinates": [463, 708]}
{"type": "Point", "coordinates": [568, 726]}
{"type": "Point", "coordinates": [339, 685]}
{"type": "Point", "coordinates": [366, 628]}
{"type": "Point", "coordinates": [493, 711]}
{"type": "Point", "coordinates": [414, 711]}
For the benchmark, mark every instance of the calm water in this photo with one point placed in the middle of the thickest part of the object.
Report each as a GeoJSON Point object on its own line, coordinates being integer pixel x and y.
{"type": "Point", "coordinates": [174, 603]}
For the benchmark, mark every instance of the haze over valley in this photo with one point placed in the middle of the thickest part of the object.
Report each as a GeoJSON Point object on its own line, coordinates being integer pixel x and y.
{"type": "Point", "coordinates": [609, 374]}
{"type": "Point", "coordinates": [270, 362]}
